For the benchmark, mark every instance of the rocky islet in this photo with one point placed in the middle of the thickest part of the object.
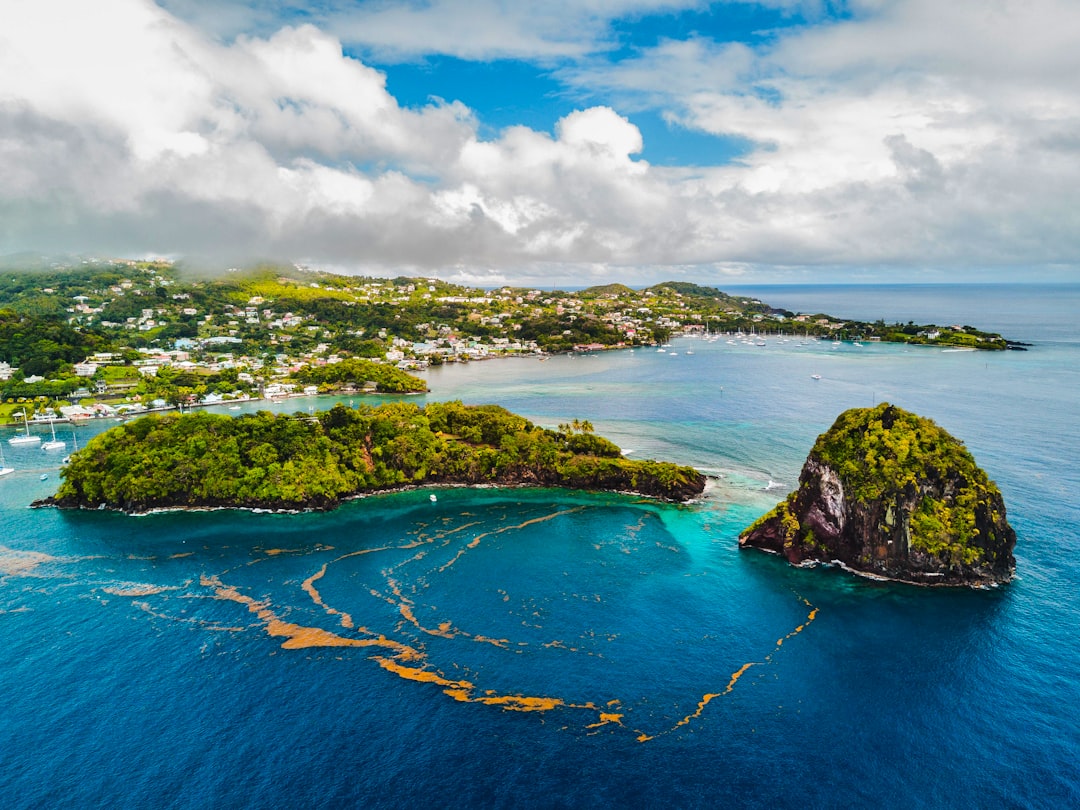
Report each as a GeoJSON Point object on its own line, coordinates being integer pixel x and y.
{"type": "Point", "coordinates": [890, 494]}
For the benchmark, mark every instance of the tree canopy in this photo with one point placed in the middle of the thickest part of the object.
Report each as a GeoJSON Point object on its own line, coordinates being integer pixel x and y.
{"type": "Point", "coordinates": [356, 371]}
{"type": "Point", "coordinates": [314, 461]}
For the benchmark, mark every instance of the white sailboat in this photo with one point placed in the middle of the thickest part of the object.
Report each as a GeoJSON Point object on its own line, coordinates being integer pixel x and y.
{"type": "Point", "coordinates": [54, 443]}
{"type": "Point", "coordinates": [75, 441]}
{"type": "Point", "coordinates": [27, 438]}
{"type": "Point", "coordinates": [4, 468]}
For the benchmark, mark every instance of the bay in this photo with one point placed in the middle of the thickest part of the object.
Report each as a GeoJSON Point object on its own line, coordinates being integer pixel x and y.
{"type": "Point", "coordinates": [143, 661]}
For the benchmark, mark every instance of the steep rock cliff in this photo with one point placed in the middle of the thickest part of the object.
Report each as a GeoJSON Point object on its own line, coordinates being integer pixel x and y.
{"type": "Point", "coordinates": [888, 493]}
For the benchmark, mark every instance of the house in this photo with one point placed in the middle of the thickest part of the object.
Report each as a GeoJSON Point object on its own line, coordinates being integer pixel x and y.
{"type": "Point", "coordinates": [75, 412]}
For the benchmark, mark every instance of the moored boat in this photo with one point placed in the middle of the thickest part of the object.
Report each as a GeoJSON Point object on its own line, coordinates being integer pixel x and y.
{"type": "Point", "coordinates": [26, 438]}
{"type": "Point", "coordinates": [53, 443]}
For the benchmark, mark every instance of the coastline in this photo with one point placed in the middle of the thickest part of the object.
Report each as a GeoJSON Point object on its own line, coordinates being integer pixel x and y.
{"type": "Point", "coordinates": [47, 503]}
{"type": "Point", "coordinates": [316, 462]}
{"type": "Point", "coordinates": [576, 351]}
{"type": "Point", "coordinates": [809, 564]}
{"type": "Point", "coordinates": [971, 686]}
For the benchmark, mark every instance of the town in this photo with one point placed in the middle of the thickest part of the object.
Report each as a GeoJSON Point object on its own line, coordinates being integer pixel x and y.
{"type": "Point", "coordinates": [115, 337]}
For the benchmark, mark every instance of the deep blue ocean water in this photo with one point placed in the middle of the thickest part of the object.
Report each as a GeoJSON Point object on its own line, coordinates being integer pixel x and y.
{"type": "Point", "coordinates": [143, 662]}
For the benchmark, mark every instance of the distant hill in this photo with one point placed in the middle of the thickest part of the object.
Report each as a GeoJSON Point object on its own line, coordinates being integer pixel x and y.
{"type": "Point", "coordinates": [607, 289]}
{"type": "Point", "coordinates": [695, 290]}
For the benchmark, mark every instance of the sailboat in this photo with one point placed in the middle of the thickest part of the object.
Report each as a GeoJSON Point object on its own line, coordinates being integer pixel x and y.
{"type": "Point", "coordinates": [27, 439]}
{"type": "Point", "coordinates": [75, 441]}
{"type": "Point", "coordinates": [4, 468]}
{"type": "Point", "coordinates": [54, 443]}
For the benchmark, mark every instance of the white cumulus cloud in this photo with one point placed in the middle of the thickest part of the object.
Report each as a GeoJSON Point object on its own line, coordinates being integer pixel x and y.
{"type": "Point", "coordinates": [910, 133]}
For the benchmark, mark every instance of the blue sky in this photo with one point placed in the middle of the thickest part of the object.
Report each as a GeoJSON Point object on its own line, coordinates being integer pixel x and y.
{"type": "Point", "coordinates": [558, 142]}
{"type": "Point", "coordinates": [514, 93]}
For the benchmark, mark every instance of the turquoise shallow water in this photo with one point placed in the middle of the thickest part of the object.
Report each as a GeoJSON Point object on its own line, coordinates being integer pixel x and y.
{"type": "Point", "coordinates": [143, 662]}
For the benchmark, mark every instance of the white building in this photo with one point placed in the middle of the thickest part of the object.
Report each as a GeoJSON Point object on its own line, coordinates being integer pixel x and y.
{"type": "Point", "coordinates": [86, 369]}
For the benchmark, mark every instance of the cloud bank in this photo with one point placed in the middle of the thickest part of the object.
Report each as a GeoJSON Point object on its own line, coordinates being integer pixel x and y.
{"type": "Point", "coordinates": [906, 135]}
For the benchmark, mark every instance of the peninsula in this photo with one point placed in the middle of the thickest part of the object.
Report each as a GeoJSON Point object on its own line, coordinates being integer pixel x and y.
{"type": "Point", "coordinates": [316, 461]}
{"type": "Point", "coordinates": [890, 494]}
{"type": "Point", "coordinates": [115, 337]}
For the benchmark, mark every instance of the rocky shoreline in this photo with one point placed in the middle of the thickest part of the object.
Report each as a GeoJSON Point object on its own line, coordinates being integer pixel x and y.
{"type": "Point", "coordinates": [683, 495]}
{"type": "Point", "coordinates": [317, 462]}
{"type": "Point", "coordinates": [268, 509]}
{"type": "Point", "coordinates": [890, 495]}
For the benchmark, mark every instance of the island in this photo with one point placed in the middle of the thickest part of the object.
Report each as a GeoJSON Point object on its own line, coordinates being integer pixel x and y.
{"type": "Point", "coordinates": [316, 461]}
{"type": "Point", "coordinates": [87, 338]}
{"type": "Point", "coordinates": [890, 494]}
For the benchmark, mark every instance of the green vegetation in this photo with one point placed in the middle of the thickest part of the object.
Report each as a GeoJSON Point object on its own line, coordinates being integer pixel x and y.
{"type": "Point", "coordinates": [881, 451]}
{"type": "Point", "coordinates": [235, 332]}
{"type": "Point", "coordinates": [886, 447]}
{"type": "Point", "coordinates": [887, 492]}
{"type": "Point", "coordinates": [268, 461]}
{"type": "Point", "coordinates": [788, 521]}
{"type": "Point", "coordinates": [39, 341]}
{"type": "Point", "coordinates": [356, 373]}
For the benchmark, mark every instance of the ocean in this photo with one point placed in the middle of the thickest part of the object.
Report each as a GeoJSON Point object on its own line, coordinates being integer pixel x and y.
{"type": "Point", "coordinates": [542, 648]}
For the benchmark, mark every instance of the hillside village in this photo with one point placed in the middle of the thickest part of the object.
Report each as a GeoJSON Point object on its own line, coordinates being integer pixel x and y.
{"type": "Point", "coordinates": [105, 337]}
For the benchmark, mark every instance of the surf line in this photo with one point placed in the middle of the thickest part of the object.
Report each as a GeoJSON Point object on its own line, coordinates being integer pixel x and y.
{"type": "Point", "coordinates": [710, 696]}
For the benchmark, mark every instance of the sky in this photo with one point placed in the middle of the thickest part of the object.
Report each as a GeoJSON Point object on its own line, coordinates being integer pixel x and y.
{"type": "Point", "coordinates": [550, 143]}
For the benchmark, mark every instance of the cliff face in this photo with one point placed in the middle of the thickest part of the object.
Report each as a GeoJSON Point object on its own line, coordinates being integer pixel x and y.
{"type": "Point", "coordinates": [889, 493]}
